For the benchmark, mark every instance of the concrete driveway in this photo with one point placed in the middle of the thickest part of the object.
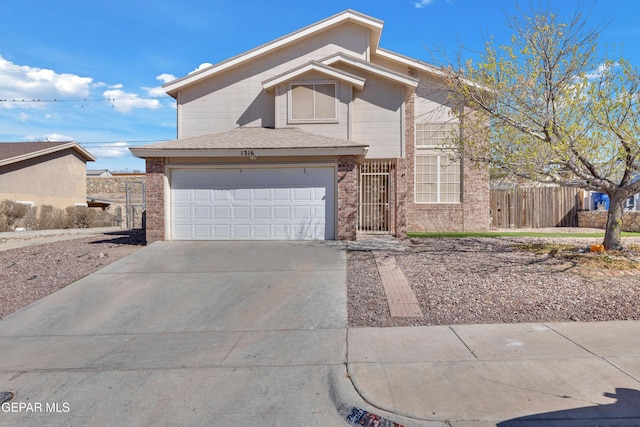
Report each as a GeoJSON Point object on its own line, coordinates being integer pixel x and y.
{"type": "Point", "coordinates": [187, 333]}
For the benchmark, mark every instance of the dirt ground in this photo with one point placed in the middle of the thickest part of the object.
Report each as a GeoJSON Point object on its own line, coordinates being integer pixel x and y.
{"type": "Point", "coordinates": [32, 272]}
{"type": "Point", "coordinates": [456, 281]}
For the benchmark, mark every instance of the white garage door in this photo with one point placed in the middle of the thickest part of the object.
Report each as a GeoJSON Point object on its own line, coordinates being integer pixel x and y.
{"type": "Point", "coordinates": [248, 204]}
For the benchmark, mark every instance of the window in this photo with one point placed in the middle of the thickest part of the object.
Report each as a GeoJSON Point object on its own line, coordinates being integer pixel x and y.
{"type": "Point", "coordinates": [437, 175]}
{"type": "Point", "coordinates": [313, 102]}
{"type": "Point", "coordinates": [437, 179]}
{"type": "Point", "coordinates": [435, 134]}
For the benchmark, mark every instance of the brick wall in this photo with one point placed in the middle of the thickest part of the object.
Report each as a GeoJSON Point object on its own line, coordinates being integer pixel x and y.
{"type": "Point", "coordinates": [155, 199]}
{"type": "Point", "coordinates": [470, 215]}
{"type": "Point", "coordinates": [115, 189]}
{"type": "Point", "coordinates": [347, 198]}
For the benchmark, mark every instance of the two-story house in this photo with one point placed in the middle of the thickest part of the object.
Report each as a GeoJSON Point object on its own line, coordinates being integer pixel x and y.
{"type": "Point", "coordinates": [316, 135]}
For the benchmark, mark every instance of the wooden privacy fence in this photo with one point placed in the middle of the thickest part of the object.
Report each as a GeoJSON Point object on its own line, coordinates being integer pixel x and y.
{"type": "Point", "coordinates": [535, 207]}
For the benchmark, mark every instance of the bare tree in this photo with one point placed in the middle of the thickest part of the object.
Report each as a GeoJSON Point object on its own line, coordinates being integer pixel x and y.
{"type": "Point", "coordinates": [553, 111]}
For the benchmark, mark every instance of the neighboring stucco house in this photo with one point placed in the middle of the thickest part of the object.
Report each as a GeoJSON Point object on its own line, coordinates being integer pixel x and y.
{"type": "Point", "coordinates": [44, 173]}
{"type": "Point", "coordinates": [320, 134]}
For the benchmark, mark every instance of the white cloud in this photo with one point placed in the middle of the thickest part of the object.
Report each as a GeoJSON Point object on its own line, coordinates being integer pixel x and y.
{"type": "Point", "coordinates": [201, 66]}
{"type": "Point", "coordinates": [154, 92]}
{"type": "Point", "coordinates": [22, 82]}
{"type": "Point", "coordinates": [166, 78]}
{"type": "Point", "coordinates": [125, 102]}
{"type": "Point", "coordinates": [601, 69]}
{"type": "Point", "coordinates": [111, 150]}
{"type": "Point", "coordinates": [52, 137]}
{"type": "Point", "coordinates": [56, 137]}
{"type": "Point", "coordinates": [23, 117]}
{"type": "Point", "coordinates": [422, 3]}
{"type": "Point", "coordinates": [158, 91]}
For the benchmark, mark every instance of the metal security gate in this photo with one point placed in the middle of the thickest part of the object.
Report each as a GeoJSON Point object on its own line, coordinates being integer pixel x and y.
{"type": "Point", "coordinates": [373, 196]}
{"type": "Point", "coordinates": [135, 203]}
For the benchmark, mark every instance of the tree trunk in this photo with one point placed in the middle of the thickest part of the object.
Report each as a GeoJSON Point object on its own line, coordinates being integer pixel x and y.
{"type": "Point", "coordinates": [612, 235]}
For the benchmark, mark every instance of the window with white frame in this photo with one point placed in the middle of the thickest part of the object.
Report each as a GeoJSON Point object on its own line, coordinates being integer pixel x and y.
{"type": "Point", "coordinates": [313, 102]}
{"type": "Point", "coordinates": [430, 135]}
{"type": "Point", "coordinates": [438, 177]}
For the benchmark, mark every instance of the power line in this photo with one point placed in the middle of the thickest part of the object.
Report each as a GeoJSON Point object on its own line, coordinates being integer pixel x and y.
{"type": "Point", "coordinates": [110, 99]}
{"type": "Point", "coordinates": [95, 144]}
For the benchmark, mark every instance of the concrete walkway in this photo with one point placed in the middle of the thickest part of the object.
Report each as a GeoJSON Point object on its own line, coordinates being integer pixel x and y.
{"type": "Point", "coordinates": [22, 239]}
{"type": "Point", "coordinates": [255, 333]}
{"type": "Point", "coordinates": [555, 374]}
{"type": "Point", "coordinates": [190, 334]}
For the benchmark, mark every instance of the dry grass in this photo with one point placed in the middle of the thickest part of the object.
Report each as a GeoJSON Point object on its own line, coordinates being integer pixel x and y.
{"type": "Point", "coordinates": [627, 259]}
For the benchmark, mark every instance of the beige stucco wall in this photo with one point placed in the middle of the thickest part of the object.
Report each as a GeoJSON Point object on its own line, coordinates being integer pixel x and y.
{"type": "Point", "coordinates": [377, 118]}
{"type": "Point", "coordinates": [236, 97]}
{"type": "Point", "coordinates": [57, 179]}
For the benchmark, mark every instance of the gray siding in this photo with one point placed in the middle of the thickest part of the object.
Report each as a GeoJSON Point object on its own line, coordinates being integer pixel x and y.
{"type": "Point", "coordinates": [236, 98]}
{"type": "Point", "coordinates": [378, 119]}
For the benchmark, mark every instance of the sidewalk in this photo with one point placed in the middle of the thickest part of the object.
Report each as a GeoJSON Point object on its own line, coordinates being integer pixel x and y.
{"type": "Point", "coordinates": [552, 374]}
{"type": "Point", "coordinates": [21, 239]}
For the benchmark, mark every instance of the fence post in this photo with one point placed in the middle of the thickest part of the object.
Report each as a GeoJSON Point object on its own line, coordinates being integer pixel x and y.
{"type": "Point", "coordinates": [511, 210]}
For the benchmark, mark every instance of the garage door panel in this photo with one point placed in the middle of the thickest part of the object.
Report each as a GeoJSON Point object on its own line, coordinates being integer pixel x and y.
{"type": "Point", "coordinates": [203, 195]}
{"type": "Point", "coordinates": [302, 194]}
{"type": "Point", "coordinates": [221, 195]}
{"type": "Point", "coordinates": [182, 213]}
{"type": "Point", "coordinates": [302, 212]}
{"type": "Point", "coordinates": [202, 231]}
{"type": "Point", "coordinates": [241, 213]}
{"type": "Point", "coordinates": [261, 231]}
{"type": "Point", "coordinates": [222, 213]}
{"type": "Point", "coordinates": [281, 194]}
{"type": "Point", "coordinates": [242, 231]}
{"type": "Point", "coordinates": [182, 231]}
{"type": "Point", "coordinates": [281, 213]}
{"type": "Point", "coordinates": [222, 231]}
{"type": "Point", "coordinates": [261, 212]}
{"type": "Point", "coordinates": [282, 232]}
{"type": "Point", "coordinates": [319, 194]}
{"type": "Point", "coordinates": [287, 203]}
{"type": "Point", "coordinates": [202, 213]}
{"type": "Point", "coordinates": [241, 194]}
{"type": "Point", "coordinates": [319, 212]}
{"type": "Point", "coordinates": [182, 195]}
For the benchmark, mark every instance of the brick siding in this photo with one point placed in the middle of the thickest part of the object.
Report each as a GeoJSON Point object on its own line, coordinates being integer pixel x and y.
{"type": "Point", "coordinates": [470, 215]}
{"type": "Point", "coordinates": [155, 199]}
{"type": "Point", "coordinates": [347, 198]}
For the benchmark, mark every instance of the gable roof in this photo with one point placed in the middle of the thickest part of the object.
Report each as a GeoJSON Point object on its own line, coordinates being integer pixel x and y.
{"type": "Point", "coordinates": [272, 142]}
{"type": "Point", "coordinates": [375, 30]}
{"type": "Point", "coordinates": [337, 74]}
{"type": "Point", "coordinates": [373, 24]}
{"type": "Point", "coordinates": [13, 152]}
{"type": "Point", "coordinates": [372, 68]}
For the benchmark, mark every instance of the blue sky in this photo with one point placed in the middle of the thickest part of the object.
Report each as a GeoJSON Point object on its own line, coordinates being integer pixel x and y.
{"type": "Point", "coordinates": [97, 67]}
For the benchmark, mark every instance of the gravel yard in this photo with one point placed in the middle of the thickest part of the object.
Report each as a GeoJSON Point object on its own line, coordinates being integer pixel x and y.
{"type": "Point", "coordinates": [488, 280]}
{"type": "Point", "coordinates": [30, 273]}
{"type": "Point", "coordinates": [456, 281]}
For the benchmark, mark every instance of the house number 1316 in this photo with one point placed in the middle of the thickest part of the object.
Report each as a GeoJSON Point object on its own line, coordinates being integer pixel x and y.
{"type": "Point", "coordinates": [246, 153]}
